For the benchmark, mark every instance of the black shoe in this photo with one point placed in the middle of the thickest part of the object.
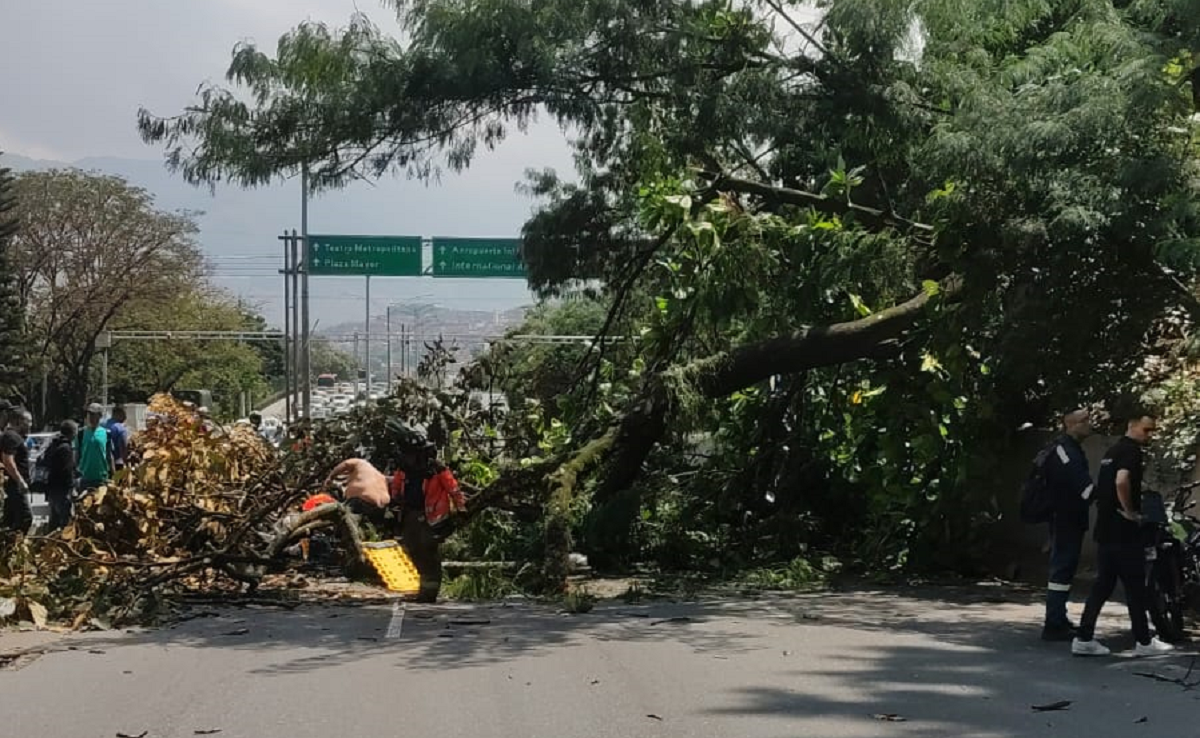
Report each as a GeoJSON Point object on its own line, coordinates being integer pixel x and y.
{"type": "Point", "coordinates": [1058, 634]}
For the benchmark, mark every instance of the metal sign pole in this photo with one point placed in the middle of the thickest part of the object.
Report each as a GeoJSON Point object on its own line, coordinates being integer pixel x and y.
{"type": "Point", "coordinates": [306, 357]}
{"type": "Point", "coordinates": [367, 350]}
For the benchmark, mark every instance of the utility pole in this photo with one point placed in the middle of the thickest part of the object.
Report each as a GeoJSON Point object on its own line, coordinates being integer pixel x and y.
{"type": "Point", "coordinates": [289, 359]}
{"type": "Point", "coordinates": [104, 343]}
{"type": "Point", "coordinates": [306, 371]}
{"type": "Point", "coordinates": [356, 390]}
{"type": "Point", "coordinates": [298, 366]}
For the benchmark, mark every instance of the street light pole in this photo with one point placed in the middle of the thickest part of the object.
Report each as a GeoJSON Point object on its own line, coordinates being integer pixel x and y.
{"type": "Point", "coordinates": [388, 323]}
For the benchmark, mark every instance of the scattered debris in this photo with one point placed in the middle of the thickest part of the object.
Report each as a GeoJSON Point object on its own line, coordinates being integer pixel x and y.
{"type": "Point", "coordinates": [237, 632]}
{"type": "Point", "coordinates": [20, 659]}
{"type": "Point", "coordinates": [1183, 681]}
{"type": "Point", "coordinates": [143, 734]}
{"type": "Point", "coordinates": [1141, 720]}
{"type": "Point", "coordinates": [652, 716]}
{"type": "Point", "coordinates": [470, 621]}
{"type": "Point", "coordinates": [890, 717]}
{"type": "Point", "coordinates": [1052, 707]}
{"type": "Point", "coordinates": [210, 731]}
{"type": "Point", "coordinates": [683, 619]}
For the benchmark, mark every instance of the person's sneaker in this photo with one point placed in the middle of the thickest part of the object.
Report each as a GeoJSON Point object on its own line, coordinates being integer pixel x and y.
{"type": "Point", "coordinates": [1088, 648]}
{"type": "Point", "coordinates": [1057, 634]}
{"type": "Point", "coordinates": [1154, 648]}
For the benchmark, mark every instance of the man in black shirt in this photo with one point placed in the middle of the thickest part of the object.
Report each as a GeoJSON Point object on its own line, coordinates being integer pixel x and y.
{"type": "Point", "coordinates": [1119, 540]}
{"type": "Point", "coordinates": [60, 464]}
{"type": "Point", "coordinates": [14, 455]}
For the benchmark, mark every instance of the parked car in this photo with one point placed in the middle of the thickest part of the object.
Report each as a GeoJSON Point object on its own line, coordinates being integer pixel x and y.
{"type": "Point", "coordinates": [37, 443]}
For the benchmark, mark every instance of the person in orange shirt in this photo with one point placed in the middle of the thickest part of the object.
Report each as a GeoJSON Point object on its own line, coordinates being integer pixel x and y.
{"type": "Point", "coordinates": [427, 497]}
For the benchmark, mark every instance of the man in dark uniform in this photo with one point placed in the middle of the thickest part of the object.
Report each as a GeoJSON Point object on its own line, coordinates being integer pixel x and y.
{"type": "Point", "coordinates": [1120, 551]}
{"type": "Point", "coordinates": [1070, 484]}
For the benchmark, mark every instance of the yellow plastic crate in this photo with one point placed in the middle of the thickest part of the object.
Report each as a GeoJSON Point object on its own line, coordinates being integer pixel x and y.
{"type": "Point", "coordinates": [394, 566]}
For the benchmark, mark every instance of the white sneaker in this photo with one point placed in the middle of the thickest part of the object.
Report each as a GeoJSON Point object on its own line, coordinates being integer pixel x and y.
{"type": "Point", "coordinates": [1154, 648]}
{"type": "Point", "coordinates": [1088, 648]}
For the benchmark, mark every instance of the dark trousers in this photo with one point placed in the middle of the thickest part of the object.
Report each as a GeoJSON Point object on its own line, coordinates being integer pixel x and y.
{"type": "Point", "coordinates": [424, 549]}
{"type": "Point", "coordinates": [61, 508]}
{"type": "Point", "coordinates": [1066, 543]}
{"type": "Point", "coordinates": [18, 516]}
{"type": "Point", "coordinates": [1126, 562]}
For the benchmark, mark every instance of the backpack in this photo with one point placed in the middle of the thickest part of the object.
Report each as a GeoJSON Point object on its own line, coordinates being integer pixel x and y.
{"type": "Point", "coordinates": [41, 468]}
{"type": "Point", "coordinates": [1037, 500]}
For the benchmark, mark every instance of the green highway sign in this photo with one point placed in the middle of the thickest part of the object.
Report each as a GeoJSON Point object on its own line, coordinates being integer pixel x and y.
{"type": "Point", "coordinates": [364, 256]}
{"type": "Point", "coordinates": [477, 257]}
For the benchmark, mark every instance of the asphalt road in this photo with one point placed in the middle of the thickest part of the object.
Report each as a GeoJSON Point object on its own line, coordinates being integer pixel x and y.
{"type": "Point", "coordinates": [942, 664]}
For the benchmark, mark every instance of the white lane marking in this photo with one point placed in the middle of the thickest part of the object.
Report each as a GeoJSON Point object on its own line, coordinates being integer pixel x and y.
{"type": "Point", "coordinates": [396, 626]}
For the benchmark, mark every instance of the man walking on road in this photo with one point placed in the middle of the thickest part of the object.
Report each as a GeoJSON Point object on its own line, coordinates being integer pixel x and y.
{"type": "Point", "coordinates": [1121, 554]}
{"type": "Point", "coordinates": [1070, 486]}
{"type": "Point", "coordinates": [18, 515]}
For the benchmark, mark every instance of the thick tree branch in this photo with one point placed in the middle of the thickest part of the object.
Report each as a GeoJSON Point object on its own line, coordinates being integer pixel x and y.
{"type": "Point", "coordinates": [719, 376]}
{"type": "Point", "coordinates": [830, 206]}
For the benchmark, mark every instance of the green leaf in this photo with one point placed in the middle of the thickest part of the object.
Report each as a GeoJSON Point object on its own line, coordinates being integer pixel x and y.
{"type": "Point", "coordinates": [931, 288]}
{"type": "Point", "coordinates": [859, 305]}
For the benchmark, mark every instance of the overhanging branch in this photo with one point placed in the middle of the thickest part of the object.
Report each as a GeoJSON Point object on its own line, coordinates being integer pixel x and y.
{"type": "Point", "coordinates": [873, 217]}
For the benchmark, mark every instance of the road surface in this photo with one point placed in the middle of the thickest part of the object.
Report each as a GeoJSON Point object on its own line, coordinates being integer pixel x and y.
{"type": "Point", "coordinates": [834, 666]}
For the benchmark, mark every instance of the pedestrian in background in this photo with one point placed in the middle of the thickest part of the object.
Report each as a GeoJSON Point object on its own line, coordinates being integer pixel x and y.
{"type": "Point", "coordinates": [94, 452]}
{"type": "Point", "coordinates": [1070, 486]}
{"type": "Point", "coordinates": [60, 463]}
{"type": "Point", "coordinates": [14, 455]}
{"type": "Point", "coordinates": [118, 436]}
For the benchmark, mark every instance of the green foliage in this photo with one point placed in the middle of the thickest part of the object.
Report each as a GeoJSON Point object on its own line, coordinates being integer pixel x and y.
{"type": "Point", "coordinates": [91, 251]}
{"type": "Point", "coordinates": [13, 361]}
{"type": "Point", "coordinates": [579, 601]}
{"type": "Point", "coordinates": [139, 369]}
{"type": "Point", "coordinates": [797, 574]}
{"type": "Point", "coordinates": [477, 585]}
{"type": "Point", "coordinates": [325, 358]}
{"type": "Point", "coordinates": [1027, 169]}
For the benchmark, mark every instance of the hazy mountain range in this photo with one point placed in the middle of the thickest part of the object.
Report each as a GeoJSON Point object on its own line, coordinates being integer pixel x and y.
{"type": "Point", "coordinates": [240, 229]}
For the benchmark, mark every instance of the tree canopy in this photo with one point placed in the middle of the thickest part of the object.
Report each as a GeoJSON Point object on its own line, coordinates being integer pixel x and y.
{"type": "Point", "coordinates": [994, 203]}
{"type": "Point", "coordinates": [94, 254]}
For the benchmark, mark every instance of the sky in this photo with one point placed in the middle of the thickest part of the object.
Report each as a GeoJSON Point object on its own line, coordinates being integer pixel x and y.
{"type": "Point", "coordinates": [76, 73]}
